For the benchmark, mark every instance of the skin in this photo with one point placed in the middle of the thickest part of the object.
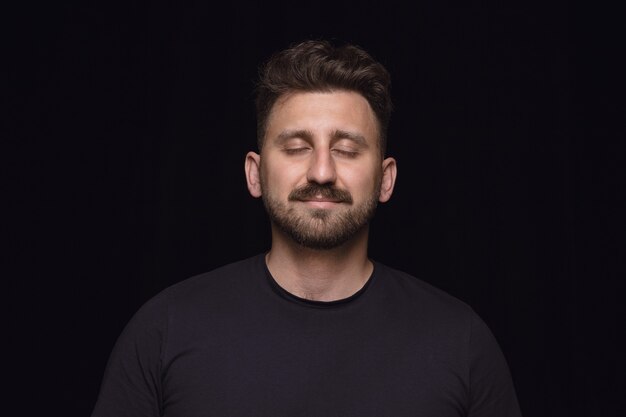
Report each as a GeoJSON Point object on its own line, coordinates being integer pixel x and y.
{"type": "Point", "coordinates": [324, 138]}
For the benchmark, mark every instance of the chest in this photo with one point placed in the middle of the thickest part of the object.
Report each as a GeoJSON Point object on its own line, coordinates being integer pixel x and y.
{"type": "Point", "coordinates": [313, 367]}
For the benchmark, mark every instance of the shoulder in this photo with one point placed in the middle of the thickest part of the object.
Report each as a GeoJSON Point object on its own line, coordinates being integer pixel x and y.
{"type": "Point", "coordinates": [219, 286]}
{"type": "Point", "coordinates": [449, 324]}
{"type": "Point", "coordinates": [233, 271]}
{"type": "Point", "coordinates": [426, 309]}
{"type": "Point", "coordinates": [419, 294]}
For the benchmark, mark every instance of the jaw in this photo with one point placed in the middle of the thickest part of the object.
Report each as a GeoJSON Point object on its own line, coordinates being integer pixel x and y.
{"type": "Point", "coordinates": [284, 242]}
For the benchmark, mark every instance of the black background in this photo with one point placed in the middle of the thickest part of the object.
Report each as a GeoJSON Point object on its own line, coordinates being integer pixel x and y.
{"type": "Point", "coordinates": [124, 175]}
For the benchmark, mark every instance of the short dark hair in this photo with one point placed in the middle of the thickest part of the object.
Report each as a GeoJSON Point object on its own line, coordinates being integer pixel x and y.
{"type": "Point", "coordinates": [318, 65]}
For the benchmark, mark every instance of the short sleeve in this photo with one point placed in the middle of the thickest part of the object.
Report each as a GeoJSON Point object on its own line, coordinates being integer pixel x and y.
{"type": "Point", "coordinates": [492, 393]}
{"type": "Point", "coordinates": [131, 385]}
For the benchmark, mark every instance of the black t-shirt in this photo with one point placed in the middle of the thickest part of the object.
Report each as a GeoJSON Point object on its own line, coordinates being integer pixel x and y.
{"type": "Point", "coordinates": [232, 342]}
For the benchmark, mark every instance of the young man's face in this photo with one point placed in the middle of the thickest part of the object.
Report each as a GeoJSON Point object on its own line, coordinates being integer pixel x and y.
{"type": "Point", "coordinates": [320, 169]}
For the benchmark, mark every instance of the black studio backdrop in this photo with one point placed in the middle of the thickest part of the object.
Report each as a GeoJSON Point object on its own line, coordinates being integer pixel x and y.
{"type": "Point", "coordinates": [131, 122]}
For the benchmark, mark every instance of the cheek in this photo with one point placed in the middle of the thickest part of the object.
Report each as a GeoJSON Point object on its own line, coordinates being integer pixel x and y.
{"type": "Point", "coordinates": [363, 182]}
{"type": "Point", "coordinates": [280, 182]}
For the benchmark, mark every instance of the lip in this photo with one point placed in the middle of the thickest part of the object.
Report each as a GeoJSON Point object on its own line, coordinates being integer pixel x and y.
{"type": "Point", "coordinates": [321, 202]}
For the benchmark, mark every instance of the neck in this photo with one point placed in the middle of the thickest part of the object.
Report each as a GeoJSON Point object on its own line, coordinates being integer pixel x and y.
{"type": "Point", "coordinates": [321, 275]}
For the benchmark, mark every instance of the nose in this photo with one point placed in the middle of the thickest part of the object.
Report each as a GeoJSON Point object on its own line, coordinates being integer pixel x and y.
{"type": "Point", "coordinates": [322, 168]}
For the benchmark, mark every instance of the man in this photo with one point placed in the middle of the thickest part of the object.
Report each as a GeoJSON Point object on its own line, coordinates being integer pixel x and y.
{"type": "Point", "coordinates": [313, 327]}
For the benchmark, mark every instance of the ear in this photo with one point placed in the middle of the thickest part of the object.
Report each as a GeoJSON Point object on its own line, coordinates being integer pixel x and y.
{"type": "Point", "coordinates": [390, 170]}
{"type": "Point", "coordinates": [253, 174]}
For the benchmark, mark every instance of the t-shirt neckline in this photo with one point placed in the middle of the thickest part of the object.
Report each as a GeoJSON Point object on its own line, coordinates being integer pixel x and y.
{"type": "Point", "coordinates": [283, 293]}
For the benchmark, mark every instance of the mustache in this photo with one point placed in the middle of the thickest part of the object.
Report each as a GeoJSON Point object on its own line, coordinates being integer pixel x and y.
{"type": "Point", "coordinates": [312, 190]}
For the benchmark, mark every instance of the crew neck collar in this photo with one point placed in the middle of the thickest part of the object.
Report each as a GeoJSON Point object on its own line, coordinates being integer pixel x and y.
{"type": "Point", "coordinates": [283, 293]}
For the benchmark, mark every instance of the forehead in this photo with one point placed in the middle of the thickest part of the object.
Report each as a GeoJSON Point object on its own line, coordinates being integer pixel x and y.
{"type": "Point", "coordinates": [322, 112]}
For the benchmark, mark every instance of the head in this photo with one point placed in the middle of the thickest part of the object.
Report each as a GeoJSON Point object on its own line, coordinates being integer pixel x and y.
{"type": "Point", "coordinates": [319, 66]}
{"type": "Point", "coordinates": [322, 113]}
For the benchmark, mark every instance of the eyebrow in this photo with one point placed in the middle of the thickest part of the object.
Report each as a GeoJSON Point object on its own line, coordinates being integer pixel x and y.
{"type": "Point", "coordinates": [344, 134]}
{"type": "Point", "coordinates": [308, 136]}
{"type": "Point", "coordinates": [294, 133]}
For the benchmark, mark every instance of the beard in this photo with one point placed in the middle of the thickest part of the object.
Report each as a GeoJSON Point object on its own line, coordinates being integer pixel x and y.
{"type": "Point", "coordinates": [318, 228]}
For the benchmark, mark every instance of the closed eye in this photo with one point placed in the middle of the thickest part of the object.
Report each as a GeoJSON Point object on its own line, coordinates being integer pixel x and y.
{"type": "Point", "coordinates": [295, 151]}
{"type": "Point", "coordinates": [346, 153]}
